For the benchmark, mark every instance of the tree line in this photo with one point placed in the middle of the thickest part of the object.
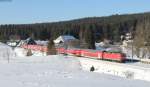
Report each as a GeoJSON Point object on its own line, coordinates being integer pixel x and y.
{"type": "Point", "coordinates": [89, 29]}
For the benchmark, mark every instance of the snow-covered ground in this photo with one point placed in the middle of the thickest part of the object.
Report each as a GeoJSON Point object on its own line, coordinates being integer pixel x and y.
{"type": "Point", "coordinates": [20, 52]}
{"type": "Point", "coordinates": [54, 71]}
{"type": "Point", "coordinates": [6, 52]}
{"type": "Point", "coordinates": [132, 71]}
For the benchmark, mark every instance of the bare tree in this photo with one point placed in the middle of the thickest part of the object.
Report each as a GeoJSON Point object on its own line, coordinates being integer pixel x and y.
{"type": "Point", "coordinates": [51, 50]}
{"type": "Point", "coordinates": [7, 54]}
{"type": "Point", "coordinates": [29, 53]}
{"type": "Point", "coordinates": [141, 40]}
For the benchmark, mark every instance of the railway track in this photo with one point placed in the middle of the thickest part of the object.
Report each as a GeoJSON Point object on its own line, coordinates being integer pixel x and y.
{"type": "Point", "coordinates": [135, 64]}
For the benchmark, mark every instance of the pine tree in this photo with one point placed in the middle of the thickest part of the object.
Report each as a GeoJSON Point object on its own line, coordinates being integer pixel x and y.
{"type": "Point", "coordinates": [88, 39]}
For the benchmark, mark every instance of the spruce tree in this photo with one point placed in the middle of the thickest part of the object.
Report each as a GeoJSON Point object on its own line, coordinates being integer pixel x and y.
{"type": "Point", "coordinates": [89, 37]}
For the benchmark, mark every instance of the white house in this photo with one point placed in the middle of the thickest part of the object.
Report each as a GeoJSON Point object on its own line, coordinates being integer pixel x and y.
{"type": "Point", "coordinates": [63, 39]}
{"type": "Point", "coordinates": [128, 36]}
{"type": "Point", "coordinates": [127, 42]}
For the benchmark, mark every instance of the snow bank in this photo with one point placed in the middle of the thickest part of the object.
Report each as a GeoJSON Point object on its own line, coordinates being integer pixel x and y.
{"type": "Point", "coordinates": [123, 70]}
{"type": "Point", "coordinates": [21, 52]}
{"type": "Point", "coordinates": [6, 52]}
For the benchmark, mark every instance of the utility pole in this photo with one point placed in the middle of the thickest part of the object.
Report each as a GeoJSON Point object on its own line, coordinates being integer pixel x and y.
{"type": "Point", "coordinates": [66, 47]}
{"type": "Point", "coordinates": [132, 50]}
{"type": "Point", "coordinates": [132, 44]}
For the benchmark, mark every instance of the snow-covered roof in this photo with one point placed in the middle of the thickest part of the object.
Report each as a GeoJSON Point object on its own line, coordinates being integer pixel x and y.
{"type": "Point", "coordinates": [30, 41]}
{"type": "Point", "coordinates": [27, 41]}
{"type": "Point", "coordinates": [64, 38]}
{"type": "Point", "coordinates": [114, 49]}
{"type": "Point", "coordinates": [39, 42]}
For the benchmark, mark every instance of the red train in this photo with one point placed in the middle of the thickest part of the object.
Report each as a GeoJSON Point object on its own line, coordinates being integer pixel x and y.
{"type": "Point", "coordinates": [119, 57]}
{"type": "Point", "coordinates": [35, 47]}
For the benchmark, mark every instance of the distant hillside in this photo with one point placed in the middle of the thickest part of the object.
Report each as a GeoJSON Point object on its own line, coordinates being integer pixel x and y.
{"type": "Point", "coordinates": [110, 27]}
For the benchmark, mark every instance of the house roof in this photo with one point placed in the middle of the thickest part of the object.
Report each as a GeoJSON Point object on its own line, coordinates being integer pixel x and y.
{"type": "Point", "coordinates": [64, 38]}
{"type": "Point", "coordinates": [29, 41]}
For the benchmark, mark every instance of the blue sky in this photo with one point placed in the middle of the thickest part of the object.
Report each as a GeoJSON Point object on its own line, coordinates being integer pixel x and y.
{"type": "Point", "coordinates": [37, 11]}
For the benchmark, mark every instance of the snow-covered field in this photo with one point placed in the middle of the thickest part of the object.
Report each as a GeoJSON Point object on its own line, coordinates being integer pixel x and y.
{"type": "Point", "coordinates": [6, 52]}
{"type": "Point", "coordinates": [53, 71]}
{"type": "Point", "coordinates": [132, 71]}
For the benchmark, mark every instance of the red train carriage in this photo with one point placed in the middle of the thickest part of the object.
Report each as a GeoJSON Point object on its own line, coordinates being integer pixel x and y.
{"type": "Point", "coordinates": [35, 47]}
{"type": "Point", "coordinates": [120, 57]}
{"type": "Point", "coordinates": [78, 52]}
{"type": "Point", "coordinates": [61, 50]}
{"type": "Point", "coordinates": [100, 54]}
{"type": "Point", "coordinates": [75, 52]}
{"type": "Point", "coordinates": [89, 53]}
{"type": "Point", "coordinates": [70, 51]}
{"type": "Point", "coordinates": [103, 55]}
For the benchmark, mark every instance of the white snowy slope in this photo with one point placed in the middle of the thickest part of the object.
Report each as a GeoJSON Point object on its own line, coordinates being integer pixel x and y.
{"type": "Point", "coordinates": [22, 52]}
{"type": "Point", "coordinates": [132, 71]}
{"type": "Point", "coordinates": [55, 71]}
{"type": "Point", "coordinates": [6, 52]}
